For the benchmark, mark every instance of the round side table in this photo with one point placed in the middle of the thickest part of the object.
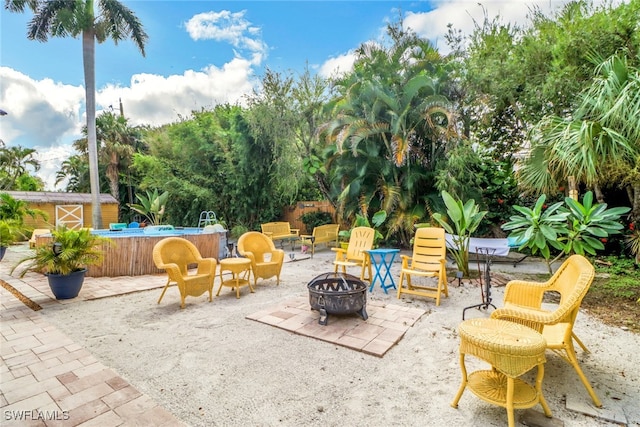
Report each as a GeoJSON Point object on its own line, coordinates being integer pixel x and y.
{"type": "Point", "coordinates": [236, 266]}
{"type": "Point", "coordinates": [512, 350]}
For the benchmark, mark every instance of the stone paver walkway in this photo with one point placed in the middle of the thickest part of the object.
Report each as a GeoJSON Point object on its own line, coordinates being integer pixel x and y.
{"type": "Point", "coordinates": [48, 380]}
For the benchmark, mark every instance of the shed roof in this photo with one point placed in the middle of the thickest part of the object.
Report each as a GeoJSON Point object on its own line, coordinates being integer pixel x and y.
{"type": "Point", "coordinates": [59, 198]}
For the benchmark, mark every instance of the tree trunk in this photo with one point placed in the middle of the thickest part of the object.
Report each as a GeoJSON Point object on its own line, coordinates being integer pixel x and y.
{"type": "Point", "coordinates": [635, 209]}
{"type": "Point", "coordinates": [113, 175]}
{"type": "Point", "coordinates": [598, 192]}
{"type": "Point", "coordinates": [573, 188]}
{"type": "Point", "coordinates": [88, 58]}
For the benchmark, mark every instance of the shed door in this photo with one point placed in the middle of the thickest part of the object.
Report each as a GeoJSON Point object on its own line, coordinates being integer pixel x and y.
{"type": "Point", "coordinates": [70, 215]}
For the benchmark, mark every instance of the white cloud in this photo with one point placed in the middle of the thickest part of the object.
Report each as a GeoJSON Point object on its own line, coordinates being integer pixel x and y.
{"type": "Point", "coordinates": [228, 27]}
{"type": "Point", "coordinates": [337, 65]}
{"type": "Point", "coordinates": [40, 113]}
{"type": "Point", "coordinates": [50, 159]}
{"type": "Point", "coordinates": [462, 14]}
{"type": "Point", "coordinates": [48, 116]}
{"type": "Point", "coordinates": [156, 100]}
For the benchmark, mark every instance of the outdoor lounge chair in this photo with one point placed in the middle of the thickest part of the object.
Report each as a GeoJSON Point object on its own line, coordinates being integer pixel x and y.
{"type": "Point", "coordinates": [360, 241]}
{"type": "Point", "coordinates": [37, 232]}
{"type": "Point", "coordinates": [523, 304]}
{"type": "Point", "coordinates": [175, 254]}
{"type": "Point", "coordinates": [428, 260]}
{"type": "Point", "coordinates": [256, 246]}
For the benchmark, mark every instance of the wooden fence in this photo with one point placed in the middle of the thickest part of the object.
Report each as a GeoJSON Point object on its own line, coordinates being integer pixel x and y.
{"type": "Point", "coordinates": [292, 214]}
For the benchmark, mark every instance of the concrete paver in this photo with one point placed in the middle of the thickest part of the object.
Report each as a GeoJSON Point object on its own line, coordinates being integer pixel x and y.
{"type": "Point", "coordinates": [48, 380]}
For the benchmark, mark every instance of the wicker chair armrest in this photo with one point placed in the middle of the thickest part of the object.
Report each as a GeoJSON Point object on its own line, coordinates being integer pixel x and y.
{"type": "Point", "coordinates": [277, 255]}
{"type": "Point", "coordinates": [173, 271]}
{"type": "Point", "coordinates": [249, 255]}
{"type": "Point", "coordinates": [528, 316]}
{"type": "Point", "coordinates": [207, 266]}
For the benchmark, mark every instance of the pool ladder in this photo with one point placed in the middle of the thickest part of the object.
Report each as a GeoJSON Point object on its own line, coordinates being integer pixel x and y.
{"type": "Point", "coordinates": [207, 218]}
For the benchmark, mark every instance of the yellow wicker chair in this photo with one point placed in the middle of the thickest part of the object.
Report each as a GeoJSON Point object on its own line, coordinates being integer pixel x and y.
{"type": "Point", "coordinates": [175, 254]}
{"type": "Point", "coordinates": [360, 241]}
{"type": "Point", "coordinates": [523, 304]}
{"type": "Point", "coordinates": [255, 245]}
{"type": "Point", "coordinates": [428, 260]}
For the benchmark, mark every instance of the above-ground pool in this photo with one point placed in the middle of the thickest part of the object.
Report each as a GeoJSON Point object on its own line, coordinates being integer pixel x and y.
{"type": "Point", "coordinates": [131, 253]}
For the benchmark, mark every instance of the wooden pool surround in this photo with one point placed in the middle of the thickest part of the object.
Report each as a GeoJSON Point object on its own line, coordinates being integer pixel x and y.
{"type": "Point", "coordinates": [133, 255]}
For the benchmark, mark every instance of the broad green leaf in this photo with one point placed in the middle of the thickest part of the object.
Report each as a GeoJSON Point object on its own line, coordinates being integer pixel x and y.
{"type": "Point", "coordinates": [548, 232]}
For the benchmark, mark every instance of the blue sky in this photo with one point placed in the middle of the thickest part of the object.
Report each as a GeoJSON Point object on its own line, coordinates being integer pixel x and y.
{"type": "Point", "coordinates": [199, 53]}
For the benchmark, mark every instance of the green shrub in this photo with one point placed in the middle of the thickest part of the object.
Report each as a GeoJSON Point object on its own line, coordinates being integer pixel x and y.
{"type": "Point", "coordinates": [315, 218]}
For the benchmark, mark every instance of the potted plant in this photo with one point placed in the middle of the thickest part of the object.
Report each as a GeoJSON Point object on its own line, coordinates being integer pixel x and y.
{"type": "Point", "coordinates": [65, 261]}
{"type": "Point", "coordinates": [9, 232]}
{"type": "Point", "coordinates": [343, 238]}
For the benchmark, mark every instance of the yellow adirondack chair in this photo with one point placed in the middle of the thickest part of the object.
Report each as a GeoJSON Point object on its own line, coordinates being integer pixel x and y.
{"type": "Point", "coordinates": [360, 241]}
{"type": "Point", "coordinates": [428, 260]}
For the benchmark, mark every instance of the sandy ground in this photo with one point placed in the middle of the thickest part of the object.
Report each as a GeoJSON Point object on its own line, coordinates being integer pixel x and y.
{"type": "Point", "coordinates": [210, 366]}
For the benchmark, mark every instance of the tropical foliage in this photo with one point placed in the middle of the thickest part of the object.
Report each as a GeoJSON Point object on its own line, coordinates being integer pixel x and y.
{"type": "Point", "coordinates": [569, 227]}
{"type": "Point", "coordinates": [152, 206]}
{"type": "Point", "coordinates": [16, 210]}
{"type": "Point", "coordinates": [10, 232]}
{"type": "Point", "coordinates": [16, 167]}
{"type": "Point", "coordinates": [461, 221]}
{"type": "Point", "coordinates": [553, 98]}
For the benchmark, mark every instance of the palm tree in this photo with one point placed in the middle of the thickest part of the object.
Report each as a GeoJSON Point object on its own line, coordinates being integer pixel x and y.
{"type": "Point", "coordinates": [599, 144]}
{"type": "Point", "coordinates": [117, 140]}
{"type": "Point", "coordinates": [13, 161]}
{"type": "Point", "coordinates": [75, 170]}
{"type": "Point", "coordinates": [389, 124]}
{"type": "Point", "coordinates": [62, 18]}
{"type": "Point", "coordinates": [15, 210]}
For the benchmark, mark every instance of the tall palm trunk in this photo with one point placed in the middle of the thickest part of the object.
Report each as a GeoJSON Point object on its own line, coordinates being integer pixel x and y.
{"type": "Point", "coordinates": [113, 174]}
{"type": "Point", "coordinates": [88, 58]}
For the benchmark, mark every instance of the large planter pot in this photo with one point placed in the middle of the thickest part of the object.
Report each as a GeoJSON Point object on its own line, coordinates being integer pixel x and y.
{"type": "Point", "coordinates": [66, 286]}
{"type": "Point", "coordinates": [3, 249]}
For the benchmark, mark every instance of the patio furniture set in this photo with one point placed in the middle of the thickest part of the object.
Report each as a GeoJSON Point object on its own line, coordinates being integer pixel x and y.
{"type": "Point", "coordinates": [260, 259]}
{"type": "Point", "coordinates": [513, 340]}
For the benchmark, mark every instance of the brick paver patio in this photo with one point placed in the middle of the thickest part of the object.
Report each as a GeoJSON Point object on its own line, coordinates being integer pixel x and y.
{"type": "Point", "coordinates": [48, 380]}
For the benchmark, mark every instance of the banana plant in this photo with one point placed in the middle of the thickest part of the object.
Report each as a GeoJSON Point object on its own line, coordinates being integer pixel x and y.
{"type": "Point", "coordinates": [463, 220]}
{"type": "Point", "coordinates": [152, 206]}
